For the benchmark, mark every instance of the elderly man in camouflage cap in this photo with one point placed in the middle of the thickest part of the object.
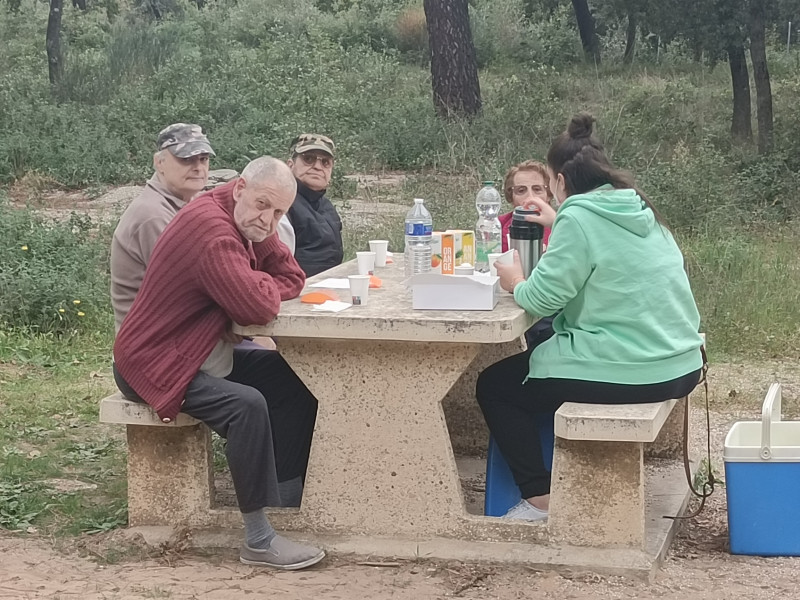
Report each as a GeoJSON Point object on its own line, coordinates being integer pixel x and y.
{"type": "Point", "coordinates": [317, 226]}
{"type": "Point", "coordinates": [181, 172]}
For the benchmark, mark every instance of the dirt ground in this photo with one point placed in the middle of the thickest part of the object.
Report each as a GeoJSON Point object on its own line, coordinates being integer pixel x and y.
{"type": "Point", "coordinates": [698, 567]}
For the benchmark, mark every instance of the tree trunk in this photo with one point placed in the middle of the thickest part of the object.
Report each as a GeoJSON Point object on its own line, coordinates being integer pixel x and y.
{"type": "Point", "coordinates": [758, 56]}
{"type": "Point", "coordinates": [630, 38]}
{"type": "Point", "coordinates": [741, 129]}
{"type": "Point", "coordinates": [454, 67]}
{"type": "Point", "coordinates": [591, 45]}
{"type": "Point", "coordinates": [55, 59]}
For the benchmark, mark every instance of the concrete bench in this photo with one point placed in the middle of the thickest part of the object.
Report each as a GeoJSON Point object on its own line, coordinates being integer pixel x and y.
{"type": "Point", "coordinates": [598, 479]}
{"type": "Point", "coordinates": [170, 470]}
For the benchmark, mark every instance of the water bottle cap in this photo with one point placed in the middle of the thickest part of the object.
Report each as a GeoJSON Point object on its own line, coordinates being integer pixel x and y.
{"type": "Point", "coordinates": [418, 200]}
{"type": "Point", "coordinates": [488, 183]}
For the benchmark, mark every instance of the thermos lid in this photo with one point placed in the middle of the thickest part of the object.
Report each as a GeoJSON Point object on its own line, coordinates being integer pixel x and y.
{"type": "Point", "coordinates": [520, 229]}
{"type": "Point", "coordinates": [520, 214]}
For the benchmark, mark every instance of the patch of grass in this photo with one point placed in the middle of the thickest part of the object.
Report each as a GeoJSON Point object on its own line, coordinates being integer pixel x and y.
{"type": "Point", "coordinates": [49, 430]}
{"type": "Point", "coordinates": [94, 518]}
{"type": "Point", "coordinates": [747, 285]}
{"type": "Point", "coordinates": [20, 505]}
{"type": "Point", "coordinates": [218, 453]}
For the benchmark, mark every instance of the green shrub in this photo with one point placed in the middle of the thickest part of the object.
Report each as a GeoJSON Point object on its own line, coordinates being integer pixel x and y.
{"type": "Point", "coordinates": [503, 35]}
{"type": "Point", "coordinates": [55, 275]}
{"type": "Point", "coordinates": [411, 32]}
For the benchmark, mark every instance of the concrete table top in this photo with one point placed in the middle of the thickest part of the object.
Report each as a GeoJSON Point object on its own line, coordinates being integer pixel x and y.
{"type": "Point", "coordinates": [388, 315]}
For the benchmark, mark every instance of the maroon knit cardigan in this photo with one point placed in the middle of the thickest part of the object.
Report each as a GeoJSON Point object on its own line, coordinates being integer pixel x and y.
{"type": "Point", "coordinates": [201, 276]}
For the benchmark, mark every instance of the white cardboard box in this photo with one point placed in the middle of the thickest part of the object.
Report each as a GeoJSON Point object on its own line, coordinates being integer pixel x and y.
{"type": "Point", "coordinates": [432, 291]}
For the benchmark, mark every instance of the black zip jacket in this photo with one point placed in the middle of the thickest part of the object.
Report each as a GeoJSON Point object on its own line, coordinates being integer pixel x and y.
{"type": "Point", "coordinates": [317, 230]}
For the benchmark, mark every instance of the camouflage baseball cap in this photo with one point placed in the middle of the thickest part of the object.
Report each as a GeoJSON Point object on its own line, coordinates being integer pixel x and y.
{"type": "Point", "coordinates": [313, 141]}
{"type": "Point", "coordinates": [184, 140]}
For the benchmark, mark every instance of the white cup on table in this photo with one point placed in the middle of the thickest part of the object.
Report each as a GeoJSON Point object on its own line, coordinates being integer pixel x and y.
{"type": "Point", "coordinates": [366, 263]}
{"type": "Point", "coordinates": [359, 289]}
{"type": "Point", "coordinates": [379, 247]}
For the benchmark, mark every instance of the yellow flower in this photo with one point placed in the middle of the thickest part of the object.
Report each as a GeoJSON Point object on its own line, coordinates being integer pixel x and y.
{"type": "Point", "coordinates": [24, 248]}
{"type": "Point", "coordinates": [76, 302]}
{"type": "Point", "coordinates": [80, 314]}
{"type": "Point", "coordinates": [61, 310]}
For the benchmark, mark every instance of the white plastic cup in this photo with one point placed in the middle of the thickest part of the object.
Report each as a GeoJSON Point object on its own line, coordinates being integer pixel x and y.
{"type": "Point", "coordinates": [465, 269]}
{"type": "Point", "coordinates": [359, 289]}
{"type": "Point", "coordinates": [379, 247]}
{"type": "Point", "coordinates": [366, 263]}
{"type": "Point", "coordinates": [493, 258]}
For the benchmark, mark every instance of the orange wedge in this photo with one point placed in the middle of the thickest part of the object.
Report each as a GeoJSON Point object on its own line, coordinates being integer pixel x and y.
{"type": "Point", "coordinates": [318, 297]}
{"type": "Point", "coordinates": [374, 282]}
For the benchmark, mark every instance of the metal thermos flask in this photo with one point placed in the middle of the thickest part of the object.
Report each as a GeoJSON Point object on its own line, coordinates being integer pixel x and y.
{"type": "Point", "coordinates": [526, 238]}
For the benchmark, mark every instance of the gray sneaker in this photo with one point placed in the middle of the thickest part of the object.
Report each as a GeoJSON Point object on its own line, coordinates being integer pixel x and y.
{"type": "Point", "coordinates": [282, 554]}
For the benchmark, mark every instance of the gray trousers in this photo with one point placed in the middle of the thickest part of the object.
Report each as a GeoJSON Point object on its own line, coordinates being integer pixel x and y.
{"type": "Point", "coordinates": [265, 413]}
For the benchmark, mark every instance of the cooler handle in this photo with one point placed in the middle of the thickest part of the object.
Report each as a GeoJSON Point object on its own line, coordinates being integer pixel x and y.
{"type": "Point", "coordinates": [770, 413]}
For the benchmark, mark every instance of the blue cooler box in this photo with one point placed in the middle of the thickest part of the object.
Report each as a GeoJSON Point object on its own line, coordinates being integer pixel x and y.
{"type": "Point", "coordinates": [762, 479]}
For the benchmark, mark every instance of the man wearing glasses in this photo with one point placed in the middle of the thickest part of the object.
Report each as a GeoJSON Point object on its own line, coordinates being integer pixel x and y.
{"type": "Point", "coordinates": [317, 226]}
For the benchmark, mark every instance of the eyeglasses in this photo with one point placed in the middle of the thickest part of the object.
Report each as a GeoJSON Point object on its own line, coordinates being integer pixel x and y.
{"type": "Point", "coordinates": [537, 190]}
{"type": "Point", "coordinates": [311, 160]}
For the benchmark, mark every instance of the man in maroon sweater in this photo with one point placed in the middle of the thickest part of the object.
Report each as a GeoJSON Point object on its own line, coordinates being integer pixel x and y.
{"type": "Point", "coordinates": [217, 262]}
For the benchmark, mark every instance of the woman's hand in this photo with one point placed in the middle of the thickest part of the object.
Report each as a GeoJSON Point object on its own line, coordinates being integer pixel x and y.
{"type": "Point", "coordinates": [510, 275]}
{"type": "Point", "coordinates": [547, 213]}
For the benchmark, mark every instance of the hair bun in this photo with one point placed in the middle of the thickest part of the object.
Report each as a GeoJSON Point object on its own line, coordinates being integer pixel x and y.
{"type": "Point", "coordinates": [581, 125]}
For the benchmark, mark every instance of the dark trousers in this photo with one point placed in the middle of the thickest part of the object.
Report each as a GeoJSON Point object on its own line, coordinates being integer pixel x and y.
{"type": "Point", "coordinates": [265, 413]}
{"type": "Point", "coordinates": [510, 409]}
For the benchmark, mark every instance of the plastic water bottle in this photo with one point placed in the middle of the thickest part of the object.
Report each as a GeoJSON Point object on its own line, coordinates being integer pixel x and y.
{"type": "Point", "coordinates": [419, 230]}
{"type": "Point", "coordinates": [488, 231]}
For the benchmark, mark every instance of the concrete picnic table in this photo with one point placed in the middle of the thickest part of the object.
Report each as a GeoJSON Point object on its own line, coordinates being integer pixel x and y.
{"type": "Point", "coordinates": [382, 463]}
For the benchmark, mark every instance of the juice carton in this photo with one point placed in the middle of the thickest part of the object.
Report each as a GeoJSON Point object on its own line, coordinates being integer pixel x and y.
{"type": "Point", "coordinates": [464, 241]}
{"type": "Point", "coordinates": [442, 253]}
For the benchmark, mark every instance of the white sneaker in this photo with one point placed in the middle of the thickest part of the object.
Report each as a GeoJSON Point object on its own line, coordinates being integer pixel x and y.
{"type": "Point", "coordinates": [525, 511]}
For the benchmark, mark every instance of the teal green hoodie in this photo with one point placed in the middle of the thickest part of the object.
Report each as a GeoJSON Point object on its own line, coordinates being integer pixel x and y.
{"type": "Point", "coordinates": [627, 312]}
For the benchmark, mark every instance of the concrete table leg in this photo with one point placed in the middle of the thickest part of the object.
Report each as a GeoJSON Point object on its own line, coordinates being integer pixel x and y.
{"type": "Point", "coordinates": [468, 430]}
{"type": "Point", "coordinates": [597, 496]}
{"type": "Point", "coordinates": [381, 460]}
{"type": "Point", "coordinates": [170, 475]}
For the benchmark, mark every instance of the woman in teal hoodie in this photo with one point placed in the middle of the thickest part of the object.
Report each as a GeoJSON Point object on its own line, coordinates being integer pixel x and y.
{"type": "Point", "coordinates": [627, 330]}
